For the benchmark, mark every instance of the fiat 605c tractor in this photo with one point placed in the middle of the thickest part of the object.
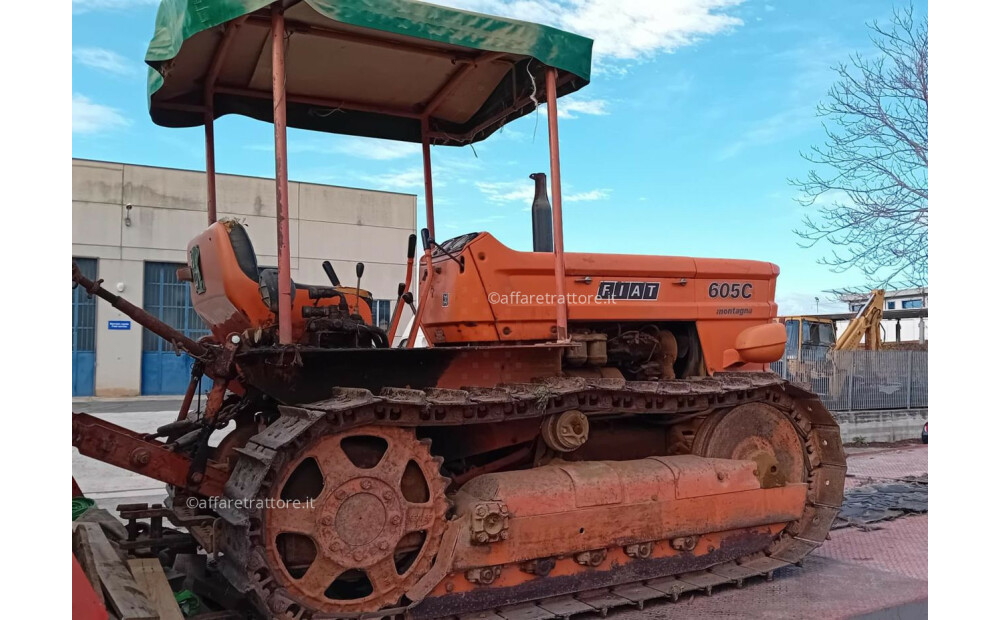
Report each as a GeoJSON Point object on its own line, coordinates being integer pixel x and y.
{"type": "Point", "coordinates": [626, 446]}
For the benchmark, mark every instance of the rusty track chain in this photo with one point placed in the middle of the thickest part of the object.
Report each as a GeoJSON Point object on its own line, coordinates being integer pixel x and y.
{"type": "Point", "coordinates": [244, 565]}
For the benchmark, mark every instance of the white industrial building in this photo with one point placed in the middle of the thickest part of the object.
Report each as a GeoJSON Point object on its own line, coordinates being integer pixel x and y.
{"type": "Point", "coordinates": [131, 226]}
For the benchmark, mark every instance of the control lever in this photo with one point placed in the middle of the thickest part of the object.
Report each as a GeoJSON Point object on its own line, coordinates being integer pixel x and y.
{"type": "Point", "coordinates": [330, 273]}
{"type": "Point", "coordinates": [360, 270]}
{"type": "Point", "coordinates": [408, 300]}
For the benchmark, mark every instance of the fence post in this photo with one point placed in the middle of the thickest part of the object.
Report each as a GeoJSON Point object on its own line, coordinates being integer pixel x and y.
{"type": "Point", "coordinates": [850, 382]}
{"type": "Point", "coordinates": [909, 378]}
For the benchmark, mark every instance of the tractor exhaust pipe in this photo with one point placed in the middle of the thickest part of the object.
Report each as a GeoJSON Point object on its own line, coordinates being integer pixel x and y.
{"type": "Point", "coordinates": [541, 216]}
{"type": "Point", "coordinates": [140, 316]}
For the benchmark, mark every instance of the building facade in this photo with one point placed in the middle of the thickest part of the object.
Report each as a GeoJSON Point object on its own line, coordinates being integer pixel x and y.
{"type": "Point", "coordinates": [908, 329]}
{"type": "Point", "coordinates": [131, 227]}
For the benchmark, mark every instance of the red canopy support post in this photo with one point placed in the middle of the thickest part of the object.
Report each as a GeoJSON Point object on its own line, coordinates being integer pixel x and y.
{"type": "Point", "coordinates": [281, 173]}
{"type": "Point", "coordinates": [425, 283]}
{"type": "Point", "coordinates": [562, 313]}
{"type": "Point", "coordinates": [209, 108]}
{"type": "Point", "coordinates": [210, 162]}
{"type": "Point", "coordinates": [425, 141]}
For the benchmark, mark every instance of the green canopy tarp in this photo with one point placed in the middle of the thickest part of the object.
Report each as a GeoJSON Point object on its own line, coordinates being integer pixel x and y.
{"type": "Point", "coordinates": [360, 67]}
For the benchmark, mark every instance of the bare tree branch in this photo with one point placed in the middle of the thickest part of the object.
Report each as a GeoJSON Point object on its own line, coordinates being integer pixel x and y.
{"type": "Point", "coordinates": [869, 189]}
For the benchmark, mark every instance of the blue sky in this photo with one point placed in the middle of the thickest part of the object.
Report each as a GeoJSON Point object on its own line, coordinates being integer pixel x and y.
{"type": "Point", "coordinates": [681, 145]}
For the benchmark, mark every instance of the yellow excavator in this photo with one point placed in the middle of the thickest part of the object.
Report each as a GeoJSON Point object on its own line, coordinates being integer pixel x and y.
{"type": "Point", "coordinates": [810, 338]}
{"type": "Point", "coordinates": [865, 329]}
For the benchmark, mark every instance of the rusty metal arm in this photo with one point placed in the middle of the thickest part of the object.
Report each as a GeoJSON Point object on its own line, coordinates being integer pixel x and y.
{"type": "Point", "coordinates": [140, 316]}
{"type": "Point", "coordinates": [118, 446]}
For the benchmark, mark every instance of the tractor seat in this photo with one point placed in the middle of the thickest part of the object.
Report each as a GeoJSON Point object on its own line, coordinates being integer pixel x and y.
{"type": "Point", "coordinates": [267, 279]}
{"type": "Point", "coordinates": [246, 258]}
{"type": "Point", "coordinates": [269, 288]}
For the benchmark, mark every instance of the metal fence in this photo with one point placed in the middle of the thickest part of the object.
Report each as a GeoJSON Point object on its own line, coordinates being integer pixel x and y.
{"type": "Point", "coordinates": [862, 380]}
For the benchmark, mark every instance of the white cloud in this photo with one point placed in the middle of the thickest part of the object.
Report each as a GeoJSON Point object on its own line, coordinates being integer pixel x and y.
{"type": "Point", "coordinates": [523, 192]}
{"type": "Point", "coordinates": [400, 180]}
{"type": "Point", "coordinates": [104, 60]}
{"type": "Point", "coordinates": [90, 117]}
{"type": "Point", "coordinates": [502, 192]}
{"type": "Point", "coordinates": [364, 148]}
{"type": "Point", "coordinates": [594, 194]}
{"type": "Point", "coordinates": [621, 29]}
{"type": "Point", "coordinates": [368, 148]}
{"type": "Point", "coordinates": [805, 303]}
{"type": "Point", "coordinates": [83, 6]}
{"type": "Point", "coordinates": [570, 108]}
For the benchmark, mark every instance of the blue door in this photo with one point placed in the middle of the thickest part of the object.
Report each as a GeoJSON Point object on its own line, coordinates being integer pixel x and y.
{"type": "Point", "coordinates": [84, 332]}
{"type": "Point", "coordinates": [168, 299]}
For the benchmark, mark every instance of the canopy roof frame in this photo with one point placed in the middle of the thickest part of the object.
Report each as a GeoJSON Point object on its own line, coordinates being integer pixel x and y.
{"type": "Point", "coordinates": [557, 81]}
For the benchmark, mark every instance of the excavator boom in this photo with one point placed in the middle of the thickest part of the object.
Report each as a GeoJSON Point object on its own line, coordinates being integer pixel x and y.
{"type": "Point", "coordinates": [865, 325]}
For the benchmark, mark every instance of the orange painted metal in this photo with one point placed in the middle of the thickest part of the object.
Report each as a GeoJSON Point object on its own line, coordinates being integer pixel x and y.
{"type": "Point", "coordinates": [398, 311]}
{"type": "Point", "coordinates": [426, 291]}
{"type": "Point", "coordinates": [565, 508]}
{"type": "Point", "coordinates": [231, 301]}
{"type": "Point", "coordinates": [759, 343]}
{"type": "Point", "coordinates": [221, 51]}
{"type": "Point", "coordinates": [508, 295]}
{"type": "Point", "coordinates": [285, 312]}
{"type": "Point", "coordinates": [425, 146]}
{"type": "Point", "coordinates": [562, 316]}
{"type": "Point", "coordinates": [118, 446]}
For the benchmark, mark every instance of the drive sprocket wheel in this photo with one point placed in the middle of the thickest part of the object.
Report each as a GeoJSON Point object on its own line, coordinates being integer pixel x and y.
{"type": "Point", "coordinates": [755, 432]}
{"type": "Point", "coordinates": [372, 528]}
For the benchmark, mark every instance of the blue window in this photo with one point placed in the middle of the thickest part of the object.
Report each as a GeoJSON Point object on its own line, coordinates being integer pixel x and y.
{"type": "Point", "coordinates": [913, 303]}
{"type": "Point", "coordinates": [891, 305]}
{"type": "Point", "coordinates": [380, 313]}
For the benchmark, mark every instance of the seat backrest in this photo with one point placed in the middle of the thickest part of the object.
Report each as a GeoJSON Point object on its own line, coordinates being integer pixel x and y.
{"type": "Point", "coordinates": [226, 290]}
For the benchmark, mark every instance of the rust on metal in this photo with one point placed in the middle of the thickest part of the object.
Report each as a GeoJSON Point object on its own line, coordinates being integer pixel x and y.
{"type": "Point", "coordinates": [221, 51]}
{"type": "Point", "coordinates": [281, 173]}
{"type": "Point", "coordinates": [376, 515]}
{"type": "Point", "coordinates": [129, 450]}
{"type": "Point", "coordinates": [562, 312]}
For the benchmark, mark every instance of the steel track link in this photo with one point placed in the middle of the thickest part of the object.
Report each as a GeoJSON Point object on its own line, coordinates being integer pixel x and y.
{"type": "Point", "coordinates": [244, 564]}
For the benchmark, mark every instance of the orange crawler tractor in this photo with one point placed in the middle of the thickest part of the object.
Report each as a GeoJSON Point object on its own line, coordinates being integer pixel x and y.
{"type": "Point", "coordinates": [582, 430]}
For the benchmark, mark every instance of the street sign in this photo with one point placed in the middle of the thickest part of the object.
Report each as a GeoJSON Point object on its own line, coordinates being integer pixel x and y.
{"type": "Point", "coordinates": [119, 324]}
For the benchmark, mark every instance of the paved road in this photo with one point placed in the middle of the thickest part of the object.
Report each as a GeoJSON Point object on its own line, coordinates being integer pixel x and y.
{"type": "Point", "coordinates": [136, 405]}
